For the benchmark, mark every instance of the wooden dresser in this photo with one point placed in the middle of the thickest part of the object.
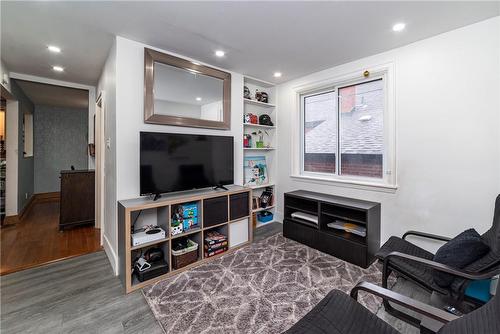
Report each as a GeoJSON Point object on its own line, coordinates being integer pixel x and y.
{"type": "Point", "coordinates": [77, 198]}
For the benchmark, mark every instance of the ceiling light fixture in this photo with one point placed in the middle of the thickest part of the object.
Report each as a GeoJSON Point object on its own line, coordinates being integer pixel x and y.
{"type": "Point", "coordinates": [398, 27]}
{"type": "Point", "coordinates": [220, 53]}
{"type": "Point", "coordinates": [277, 74]}
{"type": "Point", "coordinates": [54, 49]}
{"type": "Point", "coordinates": [58, 68]}
{"type": "Point", "coordinates": [198, 99]}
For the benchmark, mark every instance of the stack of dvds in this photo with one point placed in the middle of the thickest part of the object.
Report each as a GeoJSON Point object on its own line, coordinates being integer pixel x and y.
{"type": "Point", "coordinates": [215, 243]}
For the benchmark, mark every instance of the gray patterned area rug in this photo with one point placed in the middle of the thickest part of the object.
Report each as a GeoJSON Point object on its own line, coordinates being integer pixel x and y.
{"type": "Point", "coordinates": [262, 288]}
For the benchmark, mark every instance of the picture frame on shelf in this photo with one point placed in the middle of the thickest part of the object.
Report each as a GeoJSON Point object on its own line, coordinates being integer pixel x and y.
{"type": "Point", "coordinates": [255, 171]}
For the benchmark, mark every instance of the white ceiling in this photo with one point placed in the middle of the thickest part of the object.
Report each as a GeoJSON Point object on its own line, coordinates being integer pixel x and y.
{"type": "Point", "coordinates": [295, 38]}
{"type": "Point", "coordinates": [55, 96]}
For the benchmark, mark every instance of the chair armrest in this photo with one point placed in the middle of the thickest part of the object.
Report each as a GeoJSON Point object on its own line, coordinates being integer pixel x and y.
{"type": "Point", "coordinates": [426, 235]}
{"type": "Point", "coordinates": [411, 304]}
{"type": "Point", "coordinates": [442, 267]}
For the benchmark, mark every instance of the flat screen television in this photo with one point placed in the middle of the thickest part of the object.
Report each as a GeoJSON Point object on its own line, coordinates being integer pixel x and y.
{"type": "Point", "coordinates": [175, 162]}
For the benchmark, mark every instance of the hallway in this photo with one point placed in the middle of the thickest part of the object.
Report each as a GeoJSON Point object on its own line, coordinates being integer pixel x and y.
{"type": "Point", "coordinates": [36, 240]}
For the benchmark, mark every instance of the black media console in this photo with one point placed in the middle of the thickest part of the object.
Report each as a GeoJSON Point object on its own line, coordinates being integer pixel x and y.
{"type": "Point", "coordinates": [330, 209]}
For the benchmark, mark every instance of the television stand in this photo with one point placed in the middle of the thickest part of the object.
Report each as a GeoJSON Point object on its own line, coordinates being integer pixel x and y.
{"type": "Point", "coordinates": [226, 212]}
{"type": "Point", "coordinates": [321, 233]}
{"type": "Point", "coordinates": [220, 186]}
{"type": "Point", "coordinates": [156, 197]}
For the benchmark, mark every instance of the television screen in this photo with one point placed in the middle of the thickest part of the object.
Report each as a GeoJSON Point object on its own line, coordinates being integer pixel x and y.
{"type": "Point", "coordinates": [174, 162]}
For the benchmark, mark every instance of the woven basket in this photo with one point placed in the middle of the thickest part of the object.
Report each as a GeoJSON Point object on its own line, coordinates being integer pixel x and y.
{"type": "Point", "coordinates": [185, 256]}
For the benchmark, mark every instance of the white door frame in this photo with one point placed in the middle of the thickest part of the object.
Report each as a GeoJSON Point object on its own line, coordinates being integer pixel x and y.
{"type": "Point", "coordinates": [92, 112]}
{"type": "Point", "coordinates": [99, 163]}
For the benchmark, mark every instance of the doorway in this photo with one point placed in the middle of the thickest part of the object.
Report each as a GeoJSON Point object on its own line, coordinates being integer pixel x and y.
{"type": "Point", "coordinates": [57, 216]}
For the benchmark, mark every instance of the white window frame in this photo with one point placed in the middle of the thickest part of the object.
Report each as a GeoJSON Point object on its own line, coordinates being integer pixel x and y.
{"type": "Point", "coordinates": [388, 182]}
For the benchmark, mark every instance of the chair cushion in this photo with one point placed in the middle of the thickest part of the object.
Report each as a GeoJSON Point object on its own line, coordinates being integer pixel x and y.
{"type": "Point", "coordinates": [338, 313]}
{"type": "Point", "coordinates": [459, 252]}
{"type": "Point", "coordinates": [412, 270]}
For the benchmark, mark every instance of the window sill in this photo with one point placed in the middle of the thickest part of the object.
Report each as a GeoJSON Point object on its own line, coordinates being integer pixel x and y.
{"type": "Point", "coordinates": [356, 184]}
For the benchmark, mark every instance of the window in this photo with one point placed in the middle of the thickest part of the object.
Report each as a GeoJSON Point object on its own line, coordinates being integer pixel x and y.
{"type": "Point", "coordinates": [343, 131]}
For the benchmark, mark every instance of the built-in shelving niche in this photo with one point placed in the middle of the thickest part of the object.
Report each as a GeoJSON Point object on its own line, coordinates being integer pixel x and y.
{"type": "Point", "coordinates": [270, 138]}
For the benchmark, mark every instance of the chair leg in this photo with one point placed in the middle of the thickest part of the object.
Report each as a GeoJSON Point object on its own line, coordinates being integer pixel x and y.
{"type": "Point", "coordinates": [386, 272]}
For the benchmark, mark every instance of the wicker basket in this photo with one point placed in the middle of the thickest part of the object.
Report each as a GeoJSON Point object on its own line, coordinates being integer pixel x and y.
{"type": "Point", "coordinates": [186, 256]}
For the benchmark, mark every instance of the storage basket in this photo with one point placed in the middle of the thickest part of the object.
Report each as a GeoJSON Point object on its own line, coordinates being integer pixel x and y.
{"type": "Point", "coordinates": [265, 218]}
{"type": "Point", "coordinates": [186, 256]}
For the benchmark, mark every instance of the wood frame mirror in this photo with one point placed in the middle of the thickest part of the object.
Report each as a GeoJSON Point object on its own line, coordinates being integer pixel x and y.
{"type": "Point", "coordinates": [154, 58]}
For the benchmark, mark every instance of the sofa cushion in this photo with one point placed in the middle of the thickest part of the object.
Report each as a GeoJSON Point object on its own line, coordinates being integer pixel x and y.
{"type": "Point", "coordinates": [459, 252]}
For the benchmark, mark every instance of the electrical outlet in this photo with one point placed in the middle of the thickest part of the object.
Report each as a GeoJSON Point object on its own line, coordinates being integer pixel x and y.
{"type": "Point", "coordinates": [26, 196]}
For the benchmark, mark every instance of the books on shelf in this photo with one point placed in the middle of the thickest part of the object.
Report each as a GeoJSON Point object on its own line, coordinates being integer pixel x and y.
{"type": "Point", "coordinates": [255, 171]}
{"type": "Point", "coordinates": [348, 227]}
{"type": "Point", "coordinates": [215, 252]}
{"type": "Point", "coordinates": [215, 243]}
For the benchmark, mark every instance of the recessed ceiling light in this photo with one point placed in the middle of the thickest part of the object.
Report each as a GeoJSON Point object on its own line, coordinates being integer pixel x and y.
{"type": "Point", "coordinates": [398, 27]}
{"type": "Point", "coordinates": [58, 68]}
{"type": "Point", "coordinates": [220, 53]}
{"type": "Point", "coordinates": [54, 49]}
{"type": "Point", "coordinates": [277, 74]}
{"type": "Point", "coordinates": [198, 99]}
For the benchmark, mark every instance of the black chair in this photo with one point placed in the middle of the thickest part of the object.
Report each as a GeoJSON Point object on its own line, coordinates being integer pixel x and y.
{"type": "Point", "coordinates": [337, 313]}
{"type": "Point", "coordinates": [417, 265]}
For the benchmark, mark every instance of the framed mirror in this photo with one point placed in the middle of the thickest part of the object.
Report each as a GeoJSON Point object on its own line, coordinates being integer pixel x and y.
{"type": "Point", "coordinates": [184, 93]}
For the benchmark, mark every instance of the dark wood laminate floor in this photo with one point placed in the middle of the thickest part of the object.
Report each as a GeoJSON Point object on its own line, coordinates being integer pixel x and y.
{"type": "Point", "coordinates": [81, 295]}
{"type": "Point", "coordinates": [36, 240]}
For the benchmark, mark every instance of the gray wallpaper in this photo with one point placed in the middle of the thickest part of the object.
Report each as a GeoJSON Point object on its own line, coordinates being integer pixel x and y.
{"type": "Point", "coordinates": [25, 165]}
{"type": "Point", "coordinates": [60, 140]}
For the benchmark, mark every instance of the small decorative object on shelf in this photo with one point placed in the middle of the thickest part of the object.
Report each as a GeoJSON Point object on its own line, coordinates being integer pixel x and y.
{"type": "Point", "coordinates": [255, 171]}
{"type": "Point", "coordinates": [260, 143]}
{"type": "Point", "coordinates": [255, 202]}
{"type": "Point", "coordinates": [251, 119]}
{"type": "Point", "coordinates": [266, 198]}
{"type": "Point", "coordinates": [261, 96]}
{"type": "Point", "coordinates": [247, 140]}
{"type": "Point", "coordinates": [265, 120]}
{"type": "Point", "coordinates": [246, 93]}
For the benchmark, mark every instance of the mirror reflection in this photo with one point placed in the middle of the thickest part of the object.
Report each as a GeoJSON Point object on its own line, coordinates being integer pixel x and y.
{"type": "Point", "coordinates": [185, 93]}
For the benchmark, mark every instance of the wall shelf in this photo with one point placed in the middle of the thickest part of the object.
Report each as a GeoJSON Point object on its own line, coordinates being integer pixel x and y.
{"type": "Point", "coordinates": [262, 186]}
{"type": "Point", "coordinates": [262, 209]}
{"type": "Point", "coordinates": [260, 104]}
{"type": "Point", "coordinates": [147, 244]}
{"type": "Point", "coordinates": [259, 126]}
{"type": "Point", "coordinates": [259, 148]}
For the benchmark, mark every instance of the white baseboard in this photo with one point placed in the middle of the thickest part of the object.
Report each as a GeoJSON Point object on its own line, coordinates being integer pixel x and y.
{"type": "Point", "coordinates": [113, 258]}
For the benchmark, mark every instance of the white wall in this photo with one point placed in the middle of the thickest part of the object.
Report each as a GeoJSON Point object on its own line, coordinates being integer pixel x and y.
{"type": "Point", "coordinates": [107, 87]}
{"type": "Point", "coordinates": [129, 84]}
{"type": "Point", "coordinates": [3, 71]}
{"type": "Point", "coordinates": [448, 138]}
